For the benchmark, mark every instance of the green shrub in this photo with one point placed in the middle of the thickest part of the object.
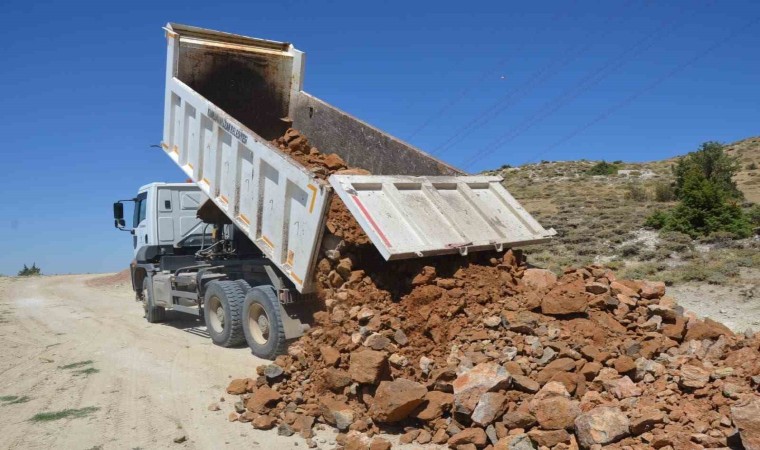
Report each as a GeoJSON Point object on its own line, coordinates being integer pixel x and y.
{"type": "Point", "coordinates": [708, 196]}
{"type": "Point", "coordinates": [630, 250]}
{"type": "Point", "coordinates": [636, 193]}
{"type": "Point", "coordinates": [753, 214]}
{"type": "Point", "coordinates": [664, 192]}
{"type": "Point", "coordinates": [713, 164]}
{"type": "Point", "coordinates": [603, 168]}
{"type": "Point", "coordinates": [657, 220]}
{"type": "Point", "coordinates": [673, 241]}
{"type": "Point", "coordinates": [29, 271]}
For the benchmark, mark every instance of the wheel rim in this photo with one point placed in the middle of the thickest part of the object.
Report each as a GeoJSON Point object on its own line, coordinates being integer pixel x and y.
{"type": "Point", "coordinates": [258, 323]}
{"type": "Point", "coordinates": [216, 314]}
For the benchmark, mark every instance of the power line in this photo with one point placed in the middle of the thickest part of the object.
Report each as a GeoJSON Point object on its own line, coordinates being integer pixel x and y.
{"type": "Point", "coordinates": [463, 93]}
{"type": "Point", "coordinates": [625, 102]}
{"type": "Point", "coordinates": [590, 80]}
{"type": "Point", "coordinates": [555, 66]}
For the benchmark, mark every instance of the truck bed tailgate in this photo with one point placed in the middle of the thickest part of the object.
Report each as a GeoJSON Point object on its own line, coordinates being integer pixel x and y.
{"type": "Point", "coordinates": [412, 216]}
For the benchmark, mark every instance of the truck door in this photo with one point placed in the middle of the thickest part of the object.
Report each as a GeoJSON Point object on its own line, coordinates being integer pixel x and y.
{"type": "Point", "coordinates": [139, 222]}
{"type": "Point", "coordinates": [177, 213]}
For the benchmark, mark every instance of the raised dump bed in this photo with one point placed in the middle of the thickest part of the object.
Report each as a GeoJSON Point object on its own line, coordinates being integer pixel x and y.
{"type": "Point", "coordinates": [227, 96]}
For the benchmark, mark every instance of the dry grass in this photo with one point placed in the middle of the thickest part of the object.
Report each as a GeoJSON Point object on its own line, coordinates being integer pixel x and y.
{"type": "Point", "coordinates": [600, 219]}
{"type": "Point", "coordinates": [748, 178]}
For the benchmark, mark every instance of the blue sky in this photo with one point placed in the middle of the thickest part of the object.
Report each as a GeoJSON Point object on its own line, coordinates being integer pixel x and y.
{"type": "Point", "coordinates": [480, 84]}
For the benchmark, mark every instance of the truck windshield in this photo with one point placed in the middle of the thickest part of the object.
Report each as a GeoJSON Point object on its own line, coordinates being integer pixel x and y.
{"type": "Point", "coordinates": [141, 205]}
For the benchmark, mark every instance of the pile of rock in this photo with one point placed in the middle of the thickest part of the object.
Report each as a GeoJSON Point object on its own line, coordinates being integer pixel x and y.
{"type": "Point", "coordinates": [488, 352]}
{"type": "Point", "coordinates": [483, 352]}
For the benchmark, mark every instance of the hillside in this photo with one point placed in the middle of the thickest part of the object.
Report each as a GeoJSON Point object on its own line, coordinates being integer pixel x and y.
{"type": "Point", "coordinates": [748, 179]}
{"type": "Point", "coordinates": [600, 218]}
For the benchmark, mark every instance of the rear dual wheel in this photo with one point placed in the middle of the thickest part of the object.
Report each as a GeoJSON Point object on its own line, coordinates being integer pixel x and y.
{"type": "Point", "coordinates": [236, 313]}
{"type": "Point", "coordinates": [262, 324]}
{"type": "Point", "coordinates": [223, 311]}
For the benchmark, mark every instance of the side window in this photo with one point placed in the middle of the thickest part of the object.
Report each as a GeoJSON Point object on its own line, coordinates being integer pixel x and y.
{"type": "Point", "coordinates": [141, 206]}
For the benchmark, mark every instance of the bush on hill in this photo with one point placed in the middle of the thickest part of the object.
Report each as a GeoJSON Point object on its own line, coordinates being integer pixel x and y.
{"type": "Point", "coordinates": [29, 271]}
{"type": "Point", "coordinates": [603, 168]}
{"type": "Point", "coordinates": [708, 197]}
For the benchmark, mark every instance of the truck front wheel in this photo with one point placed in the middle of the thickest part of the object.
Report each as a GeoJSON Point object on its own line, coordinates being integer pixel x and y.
{"type": "Point", "coordinates": [222, 311]}
{"type": "Point", "coordinates": [153, 313]}
{"type": "Point", "coordinates": [262, 323]}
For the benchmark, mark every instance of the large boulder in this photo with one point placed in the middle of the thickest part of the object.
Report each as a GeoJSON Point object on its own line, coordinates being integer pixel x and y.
{"type": "Point", "coordinates": [491, 406]}
{"type": "Point", "coordinates": [434, 404]}
{"type": "Point", "coordinates": [709, 329]}
{"type": "Point", "coordinates": [651, 289]}
{"type": "Point", "coordinates": [368, 366]}
{"type": "Point", "coordinates": [553, 407]}
{"type": "Point", "coordinates": [469, 386]}
{"type": "Point", "coordinates": [395, 400]}
{"type": "Point", "coordinates": [694, 377]}
{"type": "Point", "coordinates": [746, 416]}
{"type": "Point", "coordinates": [263, 399]}
{"type": "Point", "coordinates": [336, 413]}
{"type": "Point", "coordinates": [539, 279]}
{"type": "Point", "coordinates": [602, 425]}
{"type": "Point", "coordinates": [566, 298]}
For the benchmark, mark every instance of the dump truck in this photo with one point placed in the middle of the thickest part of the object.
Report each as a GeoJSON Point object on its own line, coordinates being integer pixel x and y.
{"type": "Point", "coordinates": [238, 245]}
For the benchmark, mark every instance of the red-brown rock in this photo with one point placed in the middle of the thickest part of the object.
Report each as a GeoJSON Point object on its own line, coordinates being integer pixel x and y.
{"type": "Point", "coordinates": [263, 399]}
{"type": "Point", "coordinates": [602, 425]}
{"type": "Point", "coordinates": [566, 298]}
{"type": "Point", "coordinates": [746, 416]}
{"type": "Point", "coordinates": [434, 405]}
{"type": "Point", "coordinates": [336, 413]}
{"type": "Point", "coordinates": [651, 289]}
{"type": "Point", "coordinates": [264, 422]}
{"type": "Point", "coordinates": [539, 279]}
{"type": "Point", "coordinates": [548, 438]}
{"type": "Point", "coordinates": [368, 366]}
{"type": "Point", "coordinates": [490, 407]}
{"type": "Point", "coordinates": [469, 386]}
{"type": "Point", "coordinates": [709, 329]}
{"type": "Point", "coordinates": [426, 276]}
{"type": "Point", "coordinates": [330, 355]}
{"type": "Point", "coordinates": [237, 386]}
{"type": "Point", "coordinates": [475, 436]}
{"type": "Point", "coordinates": [395, 400]}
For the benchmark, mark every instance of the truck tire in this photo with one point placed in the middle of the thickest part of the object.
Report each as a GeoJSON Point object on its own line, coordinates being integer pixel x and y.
{"type": "Point", "coordinates": [244, 286]}
{"type": "Point", "coordinates": [222, 311]}
{"type": "Point", "coordinates": [153, 314]}
{"type": "Point", "coordinates": [262, 323]}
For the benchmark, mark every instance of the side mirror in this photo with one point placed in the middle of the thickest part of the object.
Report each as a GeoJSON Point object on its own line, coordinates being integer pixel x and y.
{"type": "Point", "coordinates": [118, 215]}
{"type": "Point", "coordinates": [118, 211]}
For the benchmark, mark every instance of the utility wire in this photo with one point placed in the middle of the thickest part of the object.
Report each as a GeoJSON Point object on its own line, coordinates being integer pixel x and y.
{"type": "Point", "coordinates": [464, 92]}
{"type": "Point", "coordinates": [626, 101]}
{"type": "Point", "coordinates": [555, 66]}
{"type": "Point", "coordinates": [590, 80]}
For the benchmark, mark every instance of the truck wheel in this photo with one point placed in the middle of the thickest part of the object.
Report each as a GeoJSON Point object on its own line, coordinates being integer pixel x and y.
{"type": "Point", "coordinates": [222, 311]}
{"type": "Point", "coordinates": [244, 286]}
{"type": "Point", "coordinates": [153, 314]}
{"type": "Point", "coordinates": [262, 323]}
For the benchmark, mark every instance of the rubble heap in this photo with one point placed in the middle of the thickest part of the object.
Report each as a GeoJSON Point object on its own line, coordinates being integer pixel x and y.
{"type": "Point", "coordinates": [339, 222]}
{"type": "Point", "coordinates": [485, 352]}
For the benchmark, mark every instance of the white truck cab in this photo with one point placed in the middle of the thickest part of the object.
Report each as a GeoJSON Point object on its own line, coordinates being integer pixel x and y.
{"type": "Point", "coordinates": [165, 216]}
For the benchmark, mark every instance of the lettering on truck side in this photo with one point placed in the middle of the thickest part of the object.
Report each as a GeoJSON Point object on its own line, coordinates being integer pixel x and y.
{"type": "Point", "coordinates": [230, 128]}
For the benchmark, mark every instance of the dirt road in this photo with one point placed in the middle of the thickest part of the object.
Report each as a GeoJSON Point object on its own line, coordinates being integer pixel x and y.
{"type": "Point", "coordinates": [125, 383]}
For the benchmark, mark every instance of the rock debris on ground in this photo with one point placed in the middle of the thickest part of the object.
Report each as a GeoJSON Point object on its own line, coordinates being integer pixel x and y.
{"type": "Point", "coordinates": [486, 352]}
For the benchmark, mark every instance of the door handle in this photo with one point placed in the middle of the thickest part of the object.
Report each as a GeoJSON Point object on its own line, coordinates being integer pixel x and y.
{"type": "Point", "coordinates": [146, 238]}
